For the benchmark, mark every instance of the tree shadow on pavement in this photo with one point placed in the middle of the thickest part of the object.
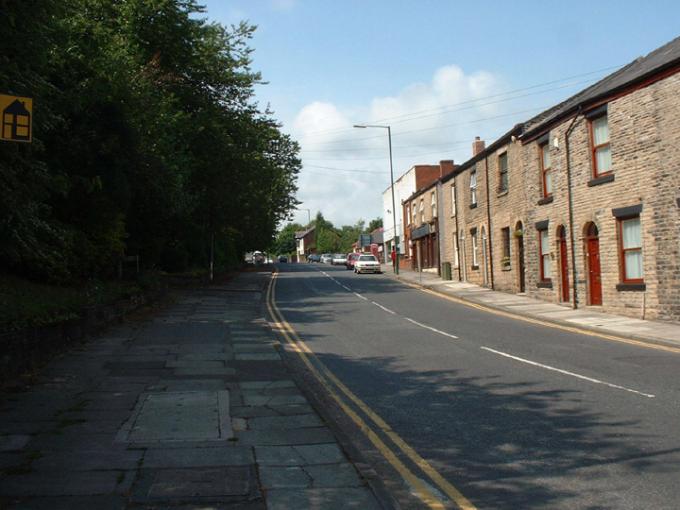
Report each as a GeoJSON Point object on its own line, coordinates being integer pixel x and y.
{"type": "Point", "coordinates": [517, 444]}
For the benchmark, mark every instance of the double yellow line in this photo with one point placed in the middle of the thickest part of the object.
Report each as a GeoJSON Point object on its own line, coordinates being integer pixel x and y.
{"type": "Point", "coordinates": [330, 382]}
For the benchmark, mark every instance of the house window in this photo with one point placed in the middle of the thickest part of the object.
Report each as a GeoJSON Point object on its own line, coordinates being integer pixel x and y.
{"type": "Point", "coordinates": [433, 205]}
{"type": "Point", "coordinates": [415, 213]}
{"type": "Point", "coordinates": [544, 253]}
{"type": "Point", "coordinates": [601, 151]}
{"type": "Point", "coordinates": [473, 188]}
{"type": "Point", "coordinates": [505, 235]}
{"type": "Point", "coordinates": [473, 235]}
{"type": "Point", "coordinates": [422, 212]}
{"type": "Point", "coordinates": [408, 213]}
{"type": "Point", "coordinates": [503, 172]}
{"type": "Point", "coordinates": [631, 250]}
{"type": "Point", "coordinates": [546, 169]}
{"type": "Point", "coordinates": [453, 200]}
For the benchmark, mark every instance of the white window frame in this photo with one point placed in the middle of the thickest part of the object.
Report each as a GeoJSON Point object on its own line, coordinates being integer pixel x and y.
{"type": "Point", "coordinates": [453, 200]}
{"type": "Point", "coordinates": [473, 187]}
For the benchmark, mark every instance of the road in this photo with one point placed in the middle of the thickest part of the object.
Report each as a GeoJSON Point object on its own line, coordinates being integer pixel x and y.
{"type": "Point", "coordinates": [486, 411]}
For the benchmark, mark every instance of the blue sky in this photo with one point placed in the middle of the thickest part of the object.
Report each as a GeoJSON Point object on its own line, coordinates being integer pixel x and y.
{"type": "Point", "coordinates": [333, 63]}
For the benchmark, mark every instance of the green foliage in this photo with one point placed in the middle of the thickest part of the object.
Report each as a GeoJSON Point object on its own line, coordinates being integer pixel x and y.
{"type": "Point", "coordinates": [374, 223]}
{"type": "Point", "coordinates": [147, 140]}
{"type": "Point", "coordinates": [26, 304]}
{"type": "Point", "coordinates": [285, 239]}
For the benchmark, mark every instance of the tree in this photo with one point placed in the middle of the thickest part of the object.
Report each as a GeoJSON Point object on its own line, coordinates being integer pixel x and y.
{"type": "Point", "coordinates": [375, 223]}
{"type": "Point", "coordinates": [285, 239]}
{"type": "Point", "coordinates": [148, 141]}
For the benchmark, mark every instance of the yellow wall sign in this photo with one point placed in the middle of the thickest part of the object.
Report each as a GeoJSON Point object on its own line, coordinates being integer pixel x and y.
{"type": "Point", "coordinates": [16, 114]}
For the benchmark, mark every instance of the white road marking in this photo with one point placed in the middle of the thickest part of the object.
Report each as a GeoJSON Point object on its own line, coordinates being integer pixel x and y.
{"type": "Point", "coordinates": [360, 296]}
{"type": "Point", "coordinates": [347, 288]}
{"type": "Point", "coordinates": [431, 328]}
{"type": "Point", "coordinates": [566, 372]}
{"type": "Point", "coordinates": [383, 308]}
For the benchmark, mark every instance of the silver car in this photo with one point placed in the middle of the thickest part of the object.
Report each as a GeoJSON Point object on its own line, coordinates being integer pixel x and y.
{"type": "Point", "coordinates": [339, 259]}
{"type": "Point", "coordinates": [326, 258]}
{"type": "Point", "coordinates": [367, 264]}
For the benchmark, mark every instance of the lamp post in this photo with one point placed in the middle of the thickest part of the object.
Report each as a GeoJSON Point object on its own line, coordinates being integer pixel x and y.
{"type": "Point", "coordinates": [309, 214]}
{"type": "Point", "coordinates": [394, 210]}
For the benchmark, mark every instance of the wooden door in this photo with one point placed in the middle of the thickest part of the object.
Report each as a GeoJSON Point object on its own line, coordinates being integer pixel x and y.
{"type": "Point", "coordinates": [594, 275]}
{"type": "Point", "coordinates": [564, 268]}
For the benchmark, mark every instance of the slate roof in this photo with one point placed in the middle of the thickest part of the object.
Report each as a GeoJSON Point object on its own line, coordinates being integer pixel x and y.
{"type": "Point", "coordinates": [638, 70]}
{"type": "Point", "coordinates": [302, 233]}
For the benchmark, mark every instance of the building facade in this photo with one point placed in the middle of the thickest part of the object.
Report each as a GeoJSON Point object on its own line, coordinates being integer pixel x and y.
{"type": "Point", "coordinates": [581, 204]}
{"type": "Point", "coordinates": [413, 179]}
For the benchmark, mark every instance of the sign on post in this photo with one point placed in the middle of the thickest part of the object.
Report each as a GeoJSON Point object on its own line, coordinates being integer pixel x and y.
{"type": "Point", "coordinates": [16, 114]}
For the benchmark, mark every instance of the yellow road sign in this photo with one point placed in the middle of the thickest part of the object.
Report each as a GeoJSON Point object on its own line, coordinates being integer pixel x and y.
{"type": "Point", "coordinates": [16, 114]}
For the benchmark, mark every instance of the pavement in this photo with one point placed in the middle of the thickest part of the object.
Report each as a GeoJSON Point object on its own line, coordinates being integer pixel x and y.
{"type": "Point", "coordinates": [587, 318]}
{"type": "Point", "coordinates": [190, 407]}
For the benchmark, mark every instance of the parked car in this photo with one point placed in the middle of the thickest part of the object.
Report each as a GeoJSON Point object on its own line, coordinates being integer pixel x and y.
{"type": "Point", "coordinates": [339, 259]}
{"type": "Point", "coordinates": [314, 257]}
{"type": "Point", "coordinates": [367, 264]}
{"type": "Point", "coordinates": [351, 259]}
{"type": "Point", "coordinates": [326, 258]}
{"type": "Point", "coordinates": [283, 258]}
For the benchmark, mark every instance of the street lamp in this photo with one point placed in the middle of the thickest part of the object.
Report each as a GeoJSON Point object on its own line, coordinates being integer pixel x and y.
{"type": "Point", "coordinates": [394, 209]}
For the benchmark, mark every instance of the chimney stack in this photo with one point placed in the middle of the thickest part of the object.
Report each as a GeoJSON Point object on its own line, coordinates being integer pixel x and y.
{"type": "Point", "coordinates": [445, 166]}
{"type": "Point", "coordinates": [477, 146]}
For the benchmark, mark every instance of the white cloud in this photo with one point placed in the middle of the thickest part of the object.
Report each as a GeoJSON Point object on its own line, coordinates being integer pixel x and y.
{"type": "Point", "coordinates": [430, 122]}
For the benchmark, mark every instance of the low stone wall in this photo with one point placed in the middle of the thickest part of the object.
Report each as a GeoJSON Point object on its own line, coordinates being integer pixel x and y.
{"type": "Point", "coordinates": [26, 350]}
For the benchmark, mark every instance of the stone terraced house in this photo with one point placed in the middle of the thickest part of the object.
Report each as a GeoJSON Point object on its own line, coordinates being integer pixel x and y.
{"type": "Point", "coordinates": [578, 205]}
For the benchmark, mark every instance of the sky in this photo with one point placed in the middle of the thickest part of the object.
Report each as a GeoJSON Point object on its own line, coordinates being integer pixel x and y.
{"type": "Point", "coordinates": [438, 72]}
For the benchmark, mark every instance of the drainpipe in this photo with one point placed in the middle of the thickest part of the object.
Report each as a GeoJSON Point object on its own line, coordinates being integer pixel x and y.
{"type": "Point", "coordinates": [440, 223]}
{"type": "Point", "coordinates": [457, 247]}
{"type": "Point", "coordinates": [571, 209]}
{"type": "Point", "coordinates": [488, 219]}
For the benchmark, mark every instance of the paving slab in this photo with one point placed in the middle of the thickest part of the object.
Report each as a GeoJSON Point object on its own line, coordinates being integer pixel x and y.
{"type": "Point", "coordinates": [328, 453]}
{"type": "Point", "coordinates": [247, 356]}
{"type": "Point", "coordinates": [285, 422]}
{"type": "Point", "coordinates": [257, 399]}
{"type": "Point", "coordinates": [198, 457]}
{"type": "Point", "coordinates": [111, 502]}
{"type": "Point", "coordinates": [326, 499]}
{"type": "Point", "coordinates": [179, 416]}
{"type": "Point", "coordinates": [284, 477]}
{"type": "Point", "coordinates": [50, 483]}
{"type": "Point", "coordinates": [195, 484]}
{"type": "Point", "coordinates": [87, 460]}
{"type": "Point", "coordinates": [304, 436]}
{"type": "Point", "coordinates": [262, 385]}
{"type": "Point", "coordinates": [333, 475]}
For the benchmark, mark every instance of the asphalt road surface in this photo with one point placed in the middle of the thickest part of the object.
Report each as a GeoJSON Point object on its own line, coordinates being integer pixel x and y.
{"type": "Point", "coordinates": [511, 414]}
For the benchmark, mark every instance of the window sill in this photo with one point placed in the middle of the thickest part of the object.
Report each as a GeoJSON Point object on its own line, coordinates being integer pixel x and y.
{"type": "Point", "coordinates": [545, 200]}
{"type": "Point", "coordinates": [506, 268]}
{"type": "Point", "coordinates": [473, 206]}
{"type": "Point", "coordinates": [544, 285]}
{"type": "Point", "coordinates": [502, 193]}
{"type": "Point", "coordinates": [634, 287]}
{"type": "Point", "coordinates": [602, 179]}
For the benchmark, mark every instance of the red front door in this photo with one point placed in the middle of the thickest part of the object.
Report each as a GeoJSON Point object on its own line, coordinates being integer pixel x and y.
{"type": "Point", "coordinates": [564, 269]}
{"type": "Point", "coordinates": [594, 276]}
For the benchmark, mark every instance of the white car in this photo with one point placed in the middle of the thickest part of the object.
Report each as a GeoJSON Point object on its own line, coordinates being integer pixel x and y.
{"type": "Point", "coordinates": [339, 259]}
{"type": "Point", "coordinates": [326, 258]}
{"type": "Point", "coordinates": [367, 264]}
